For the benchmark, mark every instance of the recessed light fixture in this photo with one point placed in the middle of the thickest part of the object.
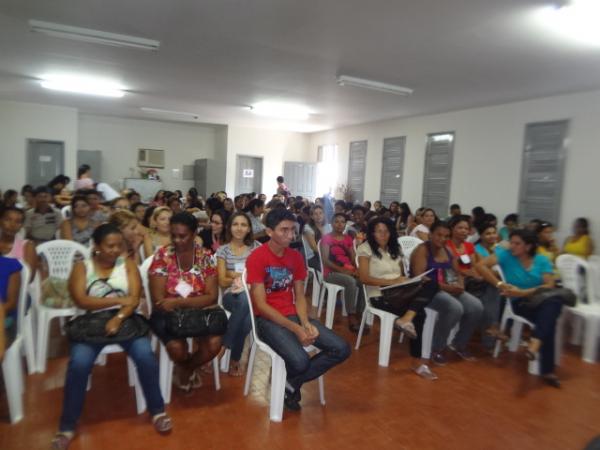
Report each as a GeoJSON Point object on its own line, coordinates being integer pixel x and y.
{"type": "Point", "coordinates": [280, 110]}
{"type": "Point", "coordinates": [345, 80]}
{"type": "Point", "coordinates": [82, 85]}
{"type": "Point", "coordinates": [169, 112]}
{"type": "Point", "coordinates": [577, 20]}
{"type": "Point", "coordinates": [94, 36]}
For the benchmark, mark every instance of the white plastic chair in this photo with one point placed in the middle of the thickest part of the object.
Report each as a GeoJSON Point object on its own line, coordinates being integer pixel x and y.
{"type": "Point", "coordinates": [570, 268]}
{"type": "Point", "coordinates": [25, 320]}
{"type": "Point", "coordinates": [316, 277]}
{"type": "Point", "coordinates": [164, 361]}
{"type": "Point", "coordinates": [59, 256]}
{"type": "Point", "coordinates": [332, 291]}
{"type": "Point", "coordinates": [12, 369]}
{"type": "Point", "coordinates": [407, 245]}
{"type": "Point", "coordinates": [278, 371]}
{"type": "Point", "coordinates": [224, 363]}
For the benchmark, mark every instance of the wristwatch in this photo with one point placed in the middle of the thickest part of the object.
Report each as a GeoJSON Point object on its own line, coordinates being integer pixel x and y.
{"type": "Point", "coordinates": [499, 283]}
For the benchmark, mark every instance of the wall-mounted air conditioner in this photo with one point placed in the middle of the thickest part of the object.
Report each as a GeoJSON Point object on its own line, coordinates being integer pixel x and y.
{"type": "Point", "coordinates": [151, 158]}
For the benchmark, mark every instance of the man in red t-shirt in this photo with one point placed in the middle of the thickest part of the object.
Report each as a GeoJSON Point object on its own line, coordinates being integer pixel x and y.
{"type": "Point", "coordinates": [276, 274]}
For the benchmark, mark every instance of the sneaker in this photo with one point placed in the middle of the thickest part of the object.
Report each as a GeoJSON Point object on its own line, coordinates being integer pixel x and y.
{"type": "Point", "coordinates": [464, 354]}
{"type": "Point", "coordinates": [438, 359]}
{"type": "Point", "coordinates": [425, 372]}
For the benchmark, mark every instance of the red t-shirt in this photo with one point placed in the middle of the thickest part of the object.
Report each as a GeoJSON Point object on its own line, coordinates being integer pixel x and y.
{"type": "Point", "coordinates": [469, 249]}
{"type": "Point", "coordinates": [278, 275]}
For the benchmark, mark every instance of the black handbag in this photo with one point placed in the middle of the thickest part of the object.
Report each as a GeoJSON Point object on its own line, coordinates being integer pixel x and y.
{"type": "Point", "coordinates": [195, 322]}
{"type": "Point", "coordinates": [542, 294]}
{"type": "Point", "coordinates": [401, 296]}
{"type": "Point", "coordinates": [91, 326]}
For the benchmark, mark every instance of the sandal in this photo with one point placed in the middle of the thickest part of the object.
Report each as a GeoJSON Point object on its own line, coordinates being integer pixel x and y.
{"type": "Point", "coordinates": [62, 440]}
{"type": "Point", "coordinates": [185, 387]}
{"type": "Point", "coordinates": [162, 423]}
{"type": "Point", "coordinates": [407, 328]}
{"type": "Point", "coordinates": [235, 369]}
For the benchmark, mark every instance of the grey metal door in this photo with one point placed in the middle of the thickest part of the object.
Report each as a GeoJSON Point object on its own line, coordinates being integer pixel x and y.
{"type": "Point", "coordinates": [300, 178]}
{"type": "Point", "coordinates": [356, 170]}
{"type": "Point", "coordinates": [392, 167]}
{"type": "Point", "coordinates": [92, 158]}
{"type": "Point", "coordinates": [249, 175]}
{"type": "Point", "coordinates": [438, 172]}
{"type": "Point", "coordinates": [542, 171]}
{"type": "Point", "coordinates": [45, 160]}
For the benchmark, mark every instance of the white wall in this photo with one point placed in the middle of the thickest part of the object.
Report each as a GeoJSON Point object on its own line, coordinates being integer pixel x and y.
{"type": "Point", "coordinates": [487, 154]}
{"type": "Point", "coordinates": [120, 138]}
{"type": "Point", "coordinates": [22, 121]}
{"type": "Point", "coordinates": [274, 147]}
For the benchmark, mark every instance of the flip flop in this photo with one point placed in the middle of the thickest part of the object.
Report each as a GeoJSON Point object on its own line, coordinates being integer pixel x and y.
{"type": "Point", "coordinates": [62, 440]}
{"type": "Point", "coordinates": [407, 328]}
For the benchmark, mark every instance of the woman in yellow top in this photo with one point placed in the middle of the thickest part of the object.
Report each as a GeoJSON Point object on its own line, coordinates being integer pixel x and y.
{"type": "Point", "coordinates": [580, 244]}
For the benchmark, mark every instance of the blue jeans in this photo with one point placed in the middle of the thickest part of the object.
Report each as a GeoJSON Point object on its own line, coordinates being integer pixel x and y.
{"type": "Point", "coordinates": [81, 362]}
{"type": "Point", "coordinates": [300, 366]}
{"type": "Point", "coordinates": [544, 317]}
{"type": "Point", "coordinates": [239, 324]}
{"type": "Point", "coordinates": [463, 308]}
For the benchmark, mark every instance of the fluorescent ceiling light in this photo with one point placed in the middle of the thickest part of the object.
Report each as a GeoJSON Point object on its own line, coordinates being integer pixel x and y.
{"type": "Point", "coordinates": [168, 111]}
{"type": "Point", "coordinates": [576, 20]}
{"type": "Point", "coordinates": [279, 110]}
{"type": "Point", "coordinates": [82, 85]}
{"type": "Point", "coordinates": [344, 80]}
{"type": "Point", "coordinates": [94, 36]}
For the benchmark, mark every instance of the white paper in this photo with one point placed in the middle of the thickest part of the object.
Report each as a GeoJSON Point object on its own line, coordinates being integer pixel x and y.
{"type": "Point", "coordinates": [409, 281]}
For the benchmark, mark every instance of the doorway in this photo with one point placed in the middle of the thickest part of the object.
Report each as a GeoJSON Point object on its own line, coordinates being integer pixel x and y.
{"type": "Point", "coordinates": [45, 160]}
{"type": "Point", "coordinates": [248, 175]}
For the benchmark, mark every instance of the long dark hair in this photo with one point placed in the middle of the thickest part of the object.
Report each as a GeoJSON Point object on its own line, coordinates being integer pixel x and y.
{"type": "Point", "coordinates": [228, 236]}
{"type": "Point", "coordinates": [529, 238]}
{"type": "Point", "coordinates": [224, 215]}
{"type": "Point", "coordinates": [404, 212]}
{"type": "Point", "coordinates": [393, 246]}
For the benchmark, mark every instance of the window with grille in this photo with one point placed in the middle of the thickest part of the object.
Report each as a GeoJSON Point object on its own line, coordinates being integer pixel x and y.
{"type": "Point", "coordinates": [438, 172]}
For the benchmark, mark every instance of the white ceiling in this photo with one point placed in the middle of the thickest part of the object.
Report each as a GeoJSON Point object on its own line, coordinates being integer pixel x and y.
{"type": "Point", "coordinates": [218, 55]}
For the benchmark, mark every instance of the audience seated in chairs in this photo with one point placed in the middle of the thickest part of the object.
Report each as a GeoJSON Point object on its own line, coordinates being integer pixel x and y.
{"type": "Point", "coordinates": [467, 258]}
{"type": "Point", "coordinates": [405, 222]}
{"type": "Point", "coordinates": [42, 222]}
{"type": "Point", "coordinates": [421, 231]}
{"type": "Point", "coordinates": [11, 244]}
{"type": "Point", "coordinates": [182, 275]}
{"type": "Point", "coordinates": [107, 264]}
{"type": "Point", "coordinates": [380, 264]}
{"type": "Point", "coordinates": [511, 222]}
{"type": "Point", "coordinates": [339, 268]}
{"type": "Point", "coordinates": [276, 274]}
{"type": "Point", "coordinates": [255, 210]}
{"type": "Point", "coordinates": [129, 226]}
{"type": "Point", "coordinates": [98, 213]}
{"type": "Point", "coordinates": [312, 233]}
{"type": "Point", "coordinates": [453, 305]}
{"type": "Point", "coordinates": [80, 226]}
{"type": "Point", "coordinates": [214, 236]}
{"type": "Point", "coordinates": [546, 241]}
{"type": "Point", "coordinates": [231, 260]}
{"type": "Point", "coordinates": [488, 240]}
{"type": "Point", "coordinates": [580, 243]}
{"type": "Point", "coordinates": [525, 271]}
{"type": "Point", "coordinates": [160, 230]}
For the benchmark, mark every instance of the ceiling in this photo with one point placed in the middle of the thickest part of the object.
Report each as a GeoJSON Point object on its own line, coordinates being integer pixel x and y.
{"type": "Point", "coordinates": [218, 56]}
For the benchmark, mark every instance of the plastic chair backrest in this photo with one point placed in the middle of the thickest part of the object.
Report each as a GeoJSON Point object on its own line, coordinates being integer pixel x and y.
{"type": "Point", "coordinates": [408, 244]}
{"type": "Point", "coordinates": [570, 267]}
{"type": "Point", "coordinates": [145, 281]}
{"type": "Point", "coordinates": [320, 256]}
{"type": "Point", "coordinates": [66, 212]}
{"type": "Point", "coordinates": [250, 308]}
{"type": "Point", "coordinates": [22, 301]}
{"type": "Point", "coordinates": [59, 256]}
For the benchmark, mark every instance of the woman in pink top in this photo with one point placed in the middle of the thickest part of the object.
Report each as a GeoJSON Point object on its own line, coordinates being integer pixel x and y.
{"type": "Point", "coordinates": [84, 178]}
{"type": "Point", "coordinates": [339, 268]}
{"type": "Point", "coordinates": [13, 246]}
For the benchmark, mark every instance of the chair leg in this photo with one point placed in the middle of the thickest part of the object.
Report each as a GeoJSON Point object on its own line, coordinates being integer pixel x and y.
{"type": "Point", "coordinates": [576, 330]}
{"type": "Point", "coordinates": [316, 291]}
{"type": "Point", "coordinates": [590, 343]}
{"type": "Point", "coordinates": [428, 329]}
{"type": "Point", "coordinates": [362, 327]}
{"type": "Point", "coordinates": [28, 345]}
{"type": "Point", "coordinates": [140, 400]}
{"type": "Point", "coordinates": [322, 390]}
{"type": "Point", "coordinates": [322, 299]}
{"type": "Point", "coordinates": [515, 335]}
{"type": "Point", "coordinates": [498, 345]}
{"type": "Point", "coordinates": [278, 375]}
{"type": "Point", "coordinates": [385, 340]}
{"type": "Point", "coordinates": [250, 368]}
{"type": "Point", "coordinates": [42, 345]}
{"type": "Point", "coordinates": [165, 368]}
{"type": "Point", "coordinates": [11, 371]}
{"type": "Point", "coordinates": [216, 374]}
{"type": "Point", "coordinates": [330, 311]}
{"type": "Point", "coordinates": [225, 359]}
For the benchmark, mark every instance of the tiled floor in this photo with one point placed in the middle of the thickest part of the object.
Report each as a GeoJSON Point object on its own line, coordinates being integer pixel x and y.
{"type": "Point", "coordinates": [488, 404]}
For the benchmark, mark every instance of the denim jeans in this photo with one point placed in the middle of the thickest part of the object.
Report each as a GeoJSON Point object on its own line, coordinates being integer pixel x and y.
{"type": "Point", "coordinates": [239, 324]}
{"type": "Point", "coordinates": [81, 362]}
{"type": "Point", "coordinates": [300, 366]}
{"type": "Point", "coordinates": [544, 317]}
{"type": "Point", "coordinates": [463, 308]}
